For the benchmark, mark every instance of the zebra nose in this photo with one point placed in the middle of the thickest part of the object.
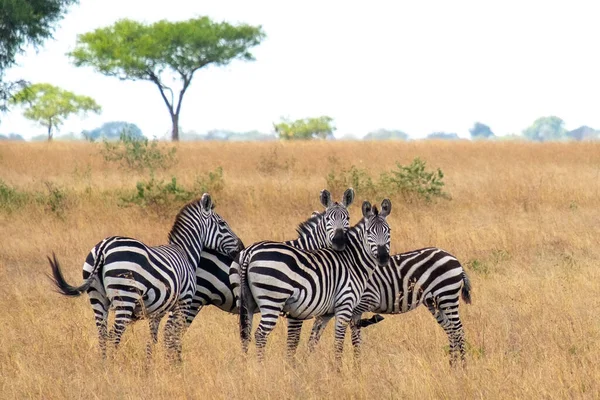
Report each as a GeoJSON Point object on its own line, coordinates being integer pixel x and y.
{"type": "Point", "coordinates": [383, 256]}
{"type": "Point", "coordinates": [339, 240]}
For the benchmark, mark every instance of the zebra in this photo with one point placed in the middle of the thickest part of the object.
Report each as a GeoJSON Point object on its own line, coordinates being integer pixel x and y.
{"type": "Point", "coordinates": [278, 278]}
{"type": "Point", "coordinates": [140, 281]}
{"type": "Point", "coordinates": [213, 284]}
{"type": "Point", "coordinates": [429, 276]}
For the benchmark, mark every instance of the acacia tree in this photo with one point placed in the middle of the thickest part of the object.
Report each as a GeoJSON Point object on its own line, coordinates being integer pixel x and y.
{"type": "Point", "coordinates": [50, 106]}
{"type": "Point", "coordinates": [131, 50]}
{"type": "Point", "coordinates": [24, 22]}
{"type": "Point", "coordinates": [307, 128]}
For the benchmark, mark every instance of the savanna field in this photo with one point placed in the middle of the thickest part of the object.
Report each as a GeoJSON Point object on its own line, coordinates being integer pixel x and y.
{"type": "Point", "coordinates": [523, 218]}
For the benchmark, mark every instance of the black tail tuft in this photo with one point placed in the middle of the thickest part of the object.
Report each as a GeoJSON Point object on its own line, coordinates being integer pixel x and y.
{"type": "Point", "coordinates": [245, 311]}
{"type": "Point", "coordinates": [59, 280]}
{"type": "Point", "coordinates": [466, 289]}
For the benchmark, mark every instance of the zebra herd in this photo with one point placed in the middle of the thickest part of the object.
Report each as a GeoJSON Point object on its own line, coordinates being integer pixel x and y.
{"type": "Point", "coordinates": [331, 270]}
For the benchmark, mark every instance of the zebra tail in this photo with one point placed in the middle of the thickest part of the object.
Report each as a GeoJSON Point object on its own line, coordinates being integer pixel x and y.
{"type": "Point", "coordinates": [244, 299]}
{"type": "Point", "coordinates": [466, 289]}
{"type": "Point", "coordinates": [65, 288]}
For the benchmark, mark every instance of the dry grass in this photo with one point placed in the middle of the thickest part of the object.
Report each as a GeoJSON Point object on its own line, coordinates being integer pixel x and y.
{"type": "Point", "coordinates": [527, 213]}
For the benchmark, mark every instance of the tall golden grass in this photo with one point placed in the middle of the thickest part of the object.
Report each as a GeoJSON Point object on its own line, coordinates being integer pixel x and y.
{"type": "Point", "coordinates": [524, 219]}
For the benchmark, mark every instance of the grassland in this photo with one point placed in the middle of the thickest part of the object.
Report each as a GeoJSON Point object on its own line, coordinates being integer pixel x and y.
{"type": "Point", "coordinates": [524, 219]}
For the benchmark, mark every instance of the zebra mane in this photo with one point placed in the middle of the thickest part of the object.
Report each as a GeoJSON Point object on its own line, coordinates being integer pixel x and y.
{"type": "Point", "coordinates": [183, 212]}
{"type": "Point", "coordinates": [307, 227]}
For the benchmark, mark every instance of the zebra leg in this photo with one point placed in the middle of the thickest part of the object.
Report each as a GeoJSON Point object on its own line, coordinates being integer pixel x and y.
{"type": "Point", "coordinates": [265, 327]}
{"type": "Point", "coordinates": [174, 333]}
{"type": "Point", "coordinates": [458, 335]}
{"type": "Point", "coordinates": [123, 317]}
{"type": "Point", "coordinates": [154, 323]}
{"type": "Point", "coordinates": [356, 336]}
{"type": "Point", "coordinates": [100, 305]}
{"type": "Point", "coordinates": [317, 331]}
{"type": "Point", "coordinates": [341, 323]}
{"type": "Point", "coordinates": [448, 319]}
{"type": "Point", "coordinates": [293, 336]}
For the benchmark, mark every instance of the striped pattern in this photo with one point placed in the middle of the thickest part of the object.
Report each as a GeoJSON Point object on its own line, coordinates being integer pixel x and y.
{"type": "Point", "coordinates": [429, 276]}
{"type": "Point", "coordinates": [213, 283]}
{"type": "Point", "coordinates": [143, 282]}
{"type": "Point", "coordinates": [278, 278]}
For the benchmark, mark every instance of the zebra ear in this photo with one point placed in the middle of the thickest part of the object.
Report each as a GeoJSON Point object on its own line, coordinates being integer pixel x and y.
{"type": "Point", "coordinates": [315, 214]}
{"type": "Point", "coordinates": [367, 209]}
{"type": "Point", "coordinates": [206, 202]}
{"type": "Point", "coordinates": [386, 208]}
{"type": "Point", "coordinates": [325, 198]}
{"type": "Point", "coordinates": [348, 197]}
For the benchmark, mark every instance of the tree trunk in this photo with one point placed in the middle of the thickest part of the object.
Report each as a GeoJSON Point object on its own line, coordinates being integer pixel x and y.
{"type": "Point", "coordinates": [175, 128]}
{"type": "Point", "coordinates": [49, 131]}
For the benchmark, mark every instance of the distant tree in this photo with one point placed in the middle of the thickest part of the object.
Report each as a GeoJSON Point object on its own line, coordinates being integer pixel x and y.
{"type": "Point", "coordinates": [131, 50]}
{"type": "Point", "coordinates": [49, 105]}
{"type": "Point", "coordinates": [303, 129]}
{"type": "Point", "coordinates": [12, 136]}
{"type": "Point", "coordinates": [443, 136]}
{"type": "Point", "coordinates": [385, 134]}
{"type": "Point", "coordinates": [22, 23]}
{"type": "Point", "coordinates": [584, 133]}
{"type": "Point", "coordinates": [113, 130]}
{"type": "Point", "coordinates": [481, 131]}
{"type": "Point", "coordinates": [546, 129]}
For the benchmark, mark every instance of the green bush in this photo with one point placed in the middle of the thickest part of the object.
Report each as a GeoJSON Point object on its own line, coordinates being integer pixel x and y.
{"type": "Point", "coordinates": [212, 182]}
{"type": "Point", "coordinates": [158, 194]}
{"type": "Point", "coordinates": [55, 200]}
{"type": "Point", "coordinates": [411, 181]}
{"type": "Point", "coordinates": [138, 154]}
{"type": "Point", "coordinates": [10, 198]}
{"type": "Point", "coordinates": [414, 180]}
{"type": "Point", "coordinates": [353, 177]}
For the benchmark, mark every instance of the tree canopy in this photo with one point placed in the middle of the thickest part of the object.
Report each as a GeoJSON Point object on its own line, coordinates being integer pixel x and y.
{"type": "Point", "coordinates": [22, 23]}
{"type": "Point", "coordinates": [131, 50]}
{"type": "Point", "coordinates": [113, 130]}
{"type": "Point", "coordinates": [385, 134]}
{"type": "Point", "coordinates": [481, 131]}
{"type": "Point", "coordinates": [50, 106]}
{"type": "Point", "coordinates": [546, 129]}
{"type": "Point", "coordinates": [443, 136]}
{"type": "Point", "coordinates": [307, 128]}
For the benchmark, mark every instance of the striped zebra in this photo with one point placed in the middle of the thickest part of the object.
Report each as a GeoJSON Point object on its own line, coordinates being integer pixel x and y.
{"type": "Point", "coordinates": [278, 278]}
{"type": "Point", "coordinates": [323, 229]}
{"type": "Point", "coordinates": [140, 281]}
{"type": "Point", "coordinates": [429, 276]}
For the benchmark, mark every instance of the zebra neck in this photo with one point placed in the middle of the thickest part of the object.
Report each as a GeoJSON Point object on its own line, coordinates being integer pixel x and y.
{"type": "Point", "coordinates": [192, 248]}
{"type": "Point", "coordinates": [364, 261]}
{"type": "Point", "coordinates": [305, 243]}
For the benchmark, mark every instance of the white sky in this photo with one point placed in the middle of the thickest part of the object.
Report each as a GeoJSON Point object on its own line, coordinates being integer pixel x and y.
{"type": "Point", "coordinates": [417, 66]}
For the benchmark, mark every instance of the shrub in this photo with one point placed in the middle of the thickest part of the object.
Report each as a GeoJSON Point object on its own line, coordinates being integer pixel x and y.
{"type": "Point", "coordinates": [56, 199]}
{"type": "Point", "coordinates": [10, 198]}
{"type": "Point", "coordinates": [158, 194]}
{"type": "Point", "coordinates": [353, 177]}
{"type": "Point", "coordinates": [413, 179]}
{"type": "Point", "coordinates": [212, 183]}
{"type": "Point", "coordinates": [271, 164]}
{"type": "Point", "coordinates": [138, 153]}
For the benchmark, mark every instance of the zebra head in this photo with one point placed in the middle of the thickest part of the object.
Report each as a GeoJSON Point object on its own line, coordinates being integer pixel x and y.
{"type": "Point", "coordinates": [336, 219]}
{"type": "Point", "coordinates": [217, 233]}
{"type": "Point", "coordinates": [377, 231]}
{"type": "Point", "coordinates": [198, 226]}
